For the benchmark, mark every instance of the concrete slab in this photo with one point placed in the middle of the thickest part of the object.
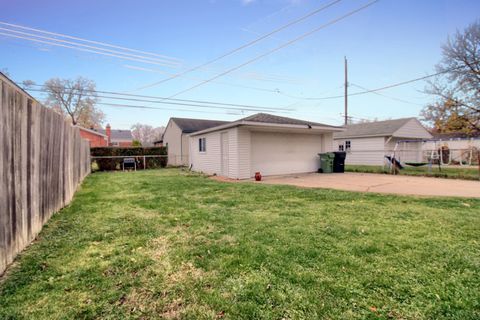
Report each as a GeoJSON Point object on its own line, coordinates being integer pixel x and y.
{"type": "Point", "coordinates": [382, 183]}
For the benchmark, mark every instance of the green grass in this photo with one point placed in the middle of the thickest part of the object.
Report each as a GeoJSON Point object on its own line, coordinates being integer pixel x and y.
{"type": "Point", "coordinates": [168, 244]}
{"type": "Point", "coordinates": [465, 173]}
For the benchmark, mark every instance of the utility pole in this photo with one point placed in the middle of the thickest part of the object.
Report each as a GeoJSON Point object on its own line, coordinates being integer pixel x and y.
{"type": "Point", "coordinates": [346, 91]}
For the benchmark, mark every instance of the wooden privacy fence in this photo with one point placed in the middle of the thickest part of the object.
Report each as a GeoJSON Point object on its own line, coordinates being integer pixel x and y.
{"type": "Point", "coordinates": [42, 161]}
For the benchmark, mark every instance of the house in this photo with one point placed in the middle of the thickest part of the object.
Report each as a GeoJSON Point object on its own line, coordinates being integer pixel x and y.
{"type": "Point", "coordinates": [117, 138]}
{"type": "Point", "coordinates": [368, 143]}
{"type": "Point", "coordinates": [175, 137]}
{"type": "Point", "coordinates": [95, 138]}
{"type": "Point", "coordinates": [264, 143]}
{"type": "Point", "coordinates": [158, 143]}
{"type": "Point", "coordinates": [461, 147]}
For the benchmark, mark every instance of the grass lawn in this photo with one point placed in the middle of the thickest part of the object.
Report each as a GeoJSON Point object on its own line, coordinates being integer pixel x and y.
{"type": "Point", "coordinates": [168, 244]}
{"type": "Point", "coordinates": [466, 173]}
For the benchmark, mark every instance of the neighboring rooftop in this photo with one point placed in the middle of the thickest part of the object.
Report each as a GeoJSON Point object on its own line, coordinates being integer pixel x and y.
{"type": "Point", "coordinates": [97, 132]}
{"type": "Point", "coordinates": [270, 118]}
{"type": "Point", "coordinates": [118, 134]}
{"type": "Point", "coordinates": [455, 136]}
{"type": "Point", "coordinates": [192, 125]}
{"type": "Point", "coordinates": [377, 128]}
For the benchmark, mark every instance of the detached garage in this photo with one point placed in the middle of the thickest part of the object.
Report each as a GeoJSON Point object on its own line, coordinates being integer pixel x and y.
{"type": "Point", "coordinates": [264, 143]}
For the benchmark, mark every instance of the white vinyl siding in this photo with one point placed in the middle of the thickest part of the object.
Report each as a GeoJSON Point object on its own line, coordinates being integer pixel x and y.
{"type": "Point", "coordinates": [178, 145]}
{"type": "Point", "coordinates": [243, 152]}
{"type": "Point", "coordinates": [209, 161]}
{"type": "Point", "coordinates": [366, 151]}
{"type": "Point", "coordinates": [413, 129]}
{"type": "Point", "coordinates": [250, 151]}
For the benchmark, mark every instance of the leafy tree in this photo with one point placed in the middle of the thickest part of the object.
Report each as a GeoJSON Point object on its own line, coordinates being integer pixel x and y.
{"type": "Point", "coordinates": [146, 134]}
{"type": "Point", "coordinates": [457, 90]}
{"type": "Point", "coordinates": [136, 143]}
{"type": "Point", "coordinates": [76, 99]}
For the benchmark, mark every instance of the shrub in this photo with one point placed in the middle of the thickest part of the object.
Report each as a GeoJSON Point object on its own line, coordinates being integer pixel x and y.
{"type": "Point", "coordinates": [109, 164]}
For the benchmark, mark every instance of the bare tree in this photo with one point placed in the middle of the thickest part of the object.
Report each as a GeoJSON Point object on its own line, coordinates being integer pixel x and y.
{"type": "Point", "coordinates": [76, 99]}
{"type": "Point", "coordinates": [146, 134]}
{"type": "Point", "coordinates": [457, 90]}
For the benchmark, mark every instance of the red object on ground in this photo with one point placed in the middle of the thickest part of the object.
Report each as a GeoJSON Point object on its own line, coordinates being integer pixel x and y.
{"type": "Point", "coordinates": [258, 176]}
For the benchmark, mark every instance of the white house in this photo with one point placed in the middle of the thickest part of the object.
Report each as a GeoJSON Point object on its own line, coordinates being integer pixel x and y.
{"type": "Point", "coordinates": [262, 143]}
{"type": "Point", "coordinates": [461, 147]}
{"type": "Point", "coordinates": [368, 143]}
{"type": "Point", "coordinates": [175, 137]}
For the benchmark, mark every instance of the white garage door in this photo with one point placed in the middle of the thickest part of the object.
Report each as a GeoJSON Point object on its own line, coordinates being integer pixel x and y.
{"type": "Point", "coordinates": [280, 153]}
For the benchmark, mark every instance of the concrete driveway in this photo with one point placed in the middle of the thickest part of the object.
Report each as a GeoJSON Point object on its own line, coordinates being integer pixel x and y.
{"type": "Point", "coordinates": [382, 183]}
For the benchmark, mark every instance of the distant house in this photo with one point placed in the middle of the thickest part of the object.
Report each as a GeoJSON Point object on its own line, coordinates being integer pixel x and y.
{"type": "Point", "coordinates": [264, 143]}
{"type": "Point", "coordinates": [368, 143]}
{"type": "Point", "coordinates": [175, 137]}
{"type": "Point", "coordinates": [460, 146]}
{"type": "Point", "coordinates": [158, 143]}
{"type": "Point", "coordinates": [95, 138]}
{"type": "Point", "coordinates": [117, 138]}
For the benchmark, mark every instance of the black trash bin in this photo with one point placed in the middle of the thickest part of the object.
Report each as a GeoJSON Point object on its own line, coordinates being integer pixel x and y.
{"type": "Point", "coordinates": [339, 161]}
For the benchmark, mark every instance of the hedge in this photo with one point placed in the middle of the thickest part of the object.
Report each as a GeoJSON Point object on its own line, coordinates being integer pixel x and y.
{"type": "Point", "coordinates": [116, 163]}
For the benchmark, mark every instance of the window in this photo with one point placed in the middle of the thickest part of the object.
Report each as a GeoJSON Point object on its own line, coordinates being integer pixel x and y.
{"type": "Point", "coordinates": [340, 147]}
{"type": "Point", "coordinates": [348, 145]}
{"type": "Point", "coordinates": [202, 145]}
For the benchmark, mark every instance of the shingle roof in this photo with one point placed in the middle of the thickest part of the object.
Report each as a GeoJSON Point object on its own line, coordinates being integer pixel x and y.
{"type": "Point", "coordinates": [455, 135]}
{"type": "Point", "coordinates": [270, 118]}
{"type": "Point", "coordinates": [192, 125]}
{"type": "Point", "coordinates": [377, 128]}
{"type": "Point", "coordinates": [119, 134]}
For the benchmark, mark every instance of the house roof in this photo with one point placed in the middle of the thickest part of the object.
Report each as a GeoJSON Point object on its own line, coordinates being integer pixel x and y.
{"type": "Point", "coordinates": [116, 134]}
{"type": "Point", "coordinates": [272, 121]}
{"type": "Point", "coordinates": [270, 118]}
{"type": "Point", "coordinates": [377, 128]}
{"type": "Point", "coordinates": [455, 135]}
{"type": "Point", "coordinates": [191, 125]}
{"type": "Point", "coordinates": [91, 131]}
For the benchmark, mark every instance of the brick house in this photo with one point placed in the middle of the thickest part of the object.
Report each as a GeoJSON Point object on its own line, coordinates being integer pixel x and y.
{"type": "Point", "coordinates": [96, 139]}
{"type": "Point", "coordinates": [107, 137]}
{"type": "Point", "coordinates": [118, 138]}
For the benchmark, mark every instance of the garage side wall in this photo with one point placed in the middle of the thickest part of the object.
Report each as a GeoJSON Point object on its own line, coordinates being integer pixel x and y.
{"type": "Point", "coordinates": [210, 161]}
{"type": "Point", "coordinates": [244, 153]}
{"type": "Point", "coordinates": [172, 139]}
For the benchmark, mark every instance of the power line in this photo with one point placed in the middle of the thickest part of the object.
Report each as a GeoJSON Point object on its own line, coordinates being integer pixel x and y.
{"type": "Point", "coordinates": [155, 108]}
{"type": "Point", "coordinates": [278, 48]}
{"type": "Point", "coordinates": [178, 103]}
{"type": "Point", "coordinates": [246, 45]}
{"type": "Point", "coordinates": [160, 61]}
{"type": "Point", "coordinates": [89, 41]}
{"type": "Point", "coordinates": [80, 49]}
{"type": "Point", "coordinates": [93, 49]}
{"type": "Point", "coordinates": [260, 108]}
{"type": "Point", "coordinates": [200, 79]}
{"type": "Point", "coordinates": [388, 86]}
{"type": "Point", "coordinates": [386, 96]}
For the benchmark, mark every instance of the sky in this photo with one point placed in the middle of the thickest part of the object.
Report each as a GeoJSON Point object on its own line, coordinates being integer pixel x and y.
{"type": "Point", "coordinates": [388, 42]}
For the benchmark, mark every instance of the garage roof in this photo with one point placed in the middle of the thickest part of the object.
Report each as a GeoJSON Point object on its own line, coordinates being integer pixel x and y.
{"type": "Point", "coordinates": [191, 125]}
{"type": "Point", "coordinates": [269, 120]}
{"type": "Point", "coordinates": [377, 128]}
